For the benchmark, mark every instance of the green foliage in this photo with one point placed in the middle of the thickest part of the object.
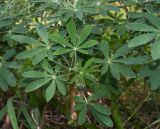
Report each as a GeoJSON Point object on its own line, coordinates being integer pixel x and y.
{"type": "Point", "coordinates": [48, 46]}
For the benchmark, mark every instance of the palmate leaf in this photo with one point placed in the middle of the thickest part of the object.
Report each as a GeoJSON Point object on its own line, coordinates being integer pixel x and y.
{"type": "Point", "coordinates": [5, 23]}
{"type": "Point", "coordinates": [88, 63]}
{"type": "Point", "coordinates": [115, 71]}
{"type": "Point", "coordinates": [126, 71]}
{"type": "Point", "coordinates": [110, 7]}
{"type": "Point", "coordinates": [83, 51]}
{"type": "Point", "coordinates": [79, 99]}
{"type": "Point", "coordinates": [79, 106]}
{"type": "Point", "coordinates": [20, 29]}
{"type": "Point", "coordinates": [141, 39]}
{"type": "Point", "coordinates": [37, 84]}
{"type": "Point", "coordinates": [104, 68]}
{"type": "Point", "coordinates": [155, 80]}
{"type": "Point", "coordinates": [104, 47]}
{"type": "Point", "coordinates": [133, 60]}
{"type": "Point", "coordinates": [3, 83]}
{"type": "Point", "coordinates": [79, 14]}
{"type": "Point", "coordinates": [88, 44]}
{"type": "Point", "coordinates": [24, 39]}
{"type": "Point", "coordinates": [45, 65]}
{"type": "Point", "coordinates": [12, 114]}
{"type": "Point", "coordinates": [153, 19]}
{"type": "Point", "coordinates": [9, 53]}
{"type": "Point", "coordinates": [61, 87]}
{"type": "Point", "coordinates": [71, 29]}
{"type": "Point", "coordinates": [8, 76]}
{"type": "Point", "coordinates": [141, 27]}
{"type": "Point", "coordinates": [155, 50]}
{"type": "Point", "coordinates": [122, 51]}
{"type": "Point", "coordinates": [30, 53]}
{"type": "Point", "coordinates": [50, 91]}
{"type": "Point", "coordinates": [33, 74]}
{"type": "Point", "coordinates": [153, 73]}
{"type": "Point", "coordinates": [82, 115]}
{"type": "Point", "coordinates": [42, 32]}
{"type": "Point", "coordinates": [84, 34]}
{"type": "Point", "coordinates": [101, 109]}
{"type": "Point", "coordinates": [59, 39]}
{"type": "Point", "coordinates": [3, 112]}
{"type": "Point", "coordinates": [119, 69]}
{"type": "Point", "coordinates": [40, 57]}
{"type": "Point", "coordinates": [61, 51]}
{"type": "Point", "coordinates": [105, 120]}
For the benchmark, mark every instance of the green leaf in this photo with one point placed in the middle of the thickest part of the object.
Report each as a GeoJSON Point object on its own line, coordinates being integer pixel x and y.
{"type": "Point", "coordinates": [71, 29]}
{"type": "Point", "coordinates": [82, 115]}
{"type": "Point", "coordinates": [59, 39]}
{"type": "Point", "coordinates": [110, 7]}
{"type": "Point", "coordinates": [79, 14]}
{"type": "Point", "coordinates": [141, 39]}
{"type": "Point", "coordinates": [12, 114]}
{"type": "Point", "coordinates": [155, 80]}
{"type": "Point", "coordinates": [140, 27]}
{"type": "Point", "coordinates": [153, 19]}
{"type": "Point", "coordinates": [122, 51]}
{"type": "Point", "coordinates": [155, 50]}
{"type": "Point", "coordinates": [3, 83]}
{"type": "Point", "coordinates": [79, 106]}
{"type": "Point", "coordinates": [38, 58]}
{"type": "Point", "coordinates": [24, 39]}
{"type": "Point", "coordinates": [102, 118]}
{"type": "Point", "coordinates": [50, 91]}
{"type": "Point", "coordinates": [133, 60]}
{"type": "Point", "coordinates": [99, 93]}
{"type": "Point", "coordinates": [61, 87]}
{"type": "Point", "coordinates": [42, 32]}
{"type": "Point", "coordinates": [145, 71]}
{"type": "Point", "coordinates": [28, 118]}
{"type": "Point", "coordinates": [37, 84]}
{"type": "Point", "coordinates": [47, 66]}
{"type": "Point", "coordinates": [105, 68]}
{"type": "Point", "coordinates": [9, 53]}
{"type": "Point", "coordinates": [30, 53]}
{"type": "Point", "coordinates": [20, 29]}
{"type": "Point", "coordinates": [33, 74]}
{"type": "Point", "coordinates": [101, 109]}
{"type": "Point", "coordinates": [84, 34]}
{"type": "Point", "coordinates": [126, 71]}
{"type": "Point", "coordinates": [79, 99]}
{"type": "Point", "coordinates": [5, 23]}
{"type": "Point", "coordinates": [3, 112]}
{"type": "Point", "coordinates": [8, 76]}
{"type": "Point", "coordinates": [61, 51]}
{"type": "Point", "coordinates": [115, 71]}
{"type": "Point", "coordinates": [88, 63]}
{"type": "Point", "coordinates": [88, 44]}
{"type": "Point", "coordinates": [104, 47]}
{"type": "Point", "coordinates": [83, 51]}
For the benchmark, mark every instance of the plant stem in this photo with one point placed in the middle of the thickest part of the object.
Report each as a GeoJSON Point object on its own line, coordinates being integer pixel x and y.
{"type": "Point", "coordinates": [116, 114]}
{"type": "Point", "coordinates": [72, 103]}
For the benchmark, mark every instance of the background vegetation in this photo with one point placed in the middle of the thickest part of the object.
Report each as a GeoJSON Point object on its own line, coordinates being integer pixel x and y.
{"type": "Point", "coordinates": [79, 64]}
